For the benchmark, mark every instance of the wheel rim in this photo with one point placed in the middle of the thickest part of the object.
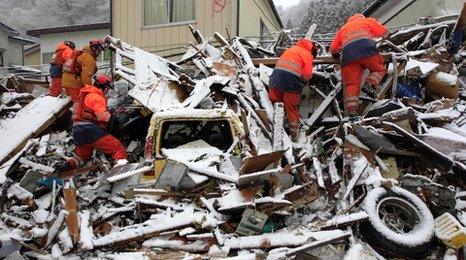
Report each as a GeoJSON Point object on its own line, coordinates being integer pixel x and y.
{"type": "Point", "coordinates": [398, 214]}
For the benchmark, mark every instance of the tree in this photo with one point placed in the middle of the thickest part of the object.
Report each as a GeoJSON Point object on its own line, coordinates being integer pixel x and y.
{"type": "Point", "coordinates": [289, 24]}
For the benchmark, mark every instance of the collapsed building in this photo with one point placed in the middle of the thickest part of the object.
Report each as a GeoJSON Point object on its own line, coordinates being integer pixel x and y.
{"type": "Point", "coordinates": [214, 174]}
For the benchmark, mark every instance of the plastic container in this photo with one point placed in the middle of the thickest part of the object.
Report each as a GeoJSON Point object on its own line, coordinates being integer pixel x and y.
{"type": "Point", "coordinates": [450, 231]}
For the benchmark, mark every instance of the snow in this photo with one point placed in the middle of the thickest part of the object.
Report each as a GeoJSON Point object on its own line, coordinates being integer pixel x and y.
{"type": "Point", "coordinates": [196, 246]}
{"type": "Point", "coordinates": [202, 90]}
{"type": "Point", "coordinates": [157, 204]}
{"type": "Point", "coordinates": [266, 240]}
{"type": "Point", "coordinates": [184, 218]}
{"type": "Point", "coordinates": [36, 166]}
{"type": "Point", "coordinates": [16, 130]}
{"type": "Point", "coordinates": [421, 233]}
{"type": "Point", "coordinates": [38, 232]}
{"type": "Point", "coordinates": [450, 80]}
{"type": "Point", "coordinates": [151, 77]}
{"type": "Point", "coordinates": [357, 251]}
{"type": "Point", "coordinates": [425, 67]}
{"type": "Point", "coordinates": [85, 236]}
{"type": "Point", "coordinates": [128, 174]}
{"type": "Point", "coordinates": [445, 134]}
{"type": "Point", "coordinates": [18, 192]}
{"type": "Point", "coordinates": [7, 165]}
{"type": "Point", "coordinates": [338, 220]}
{"type": "Point", "coordinates": [40, 216]}
{"type": "Point", "coordinates": [57, 224]}
{"type": "Point", "coordinates": [127, 256]}
{"type": "Point", "coordinates": [188, 153]}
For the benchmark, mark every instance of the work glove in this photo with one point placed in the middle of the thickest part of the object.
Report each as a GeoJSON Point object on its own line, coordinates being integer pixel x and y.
{"type": "Point", "coordinates": [62, 166]}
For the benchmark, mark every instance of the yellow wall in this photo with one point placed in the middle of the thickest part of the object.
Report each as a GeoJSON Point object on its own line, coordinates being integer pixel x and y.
{"type": "Point", "coordinates": [128, 24]}
{"type": "Point", "coordinates": [32, 58]}
{"type": "Point", "coordinates": [251, 14]}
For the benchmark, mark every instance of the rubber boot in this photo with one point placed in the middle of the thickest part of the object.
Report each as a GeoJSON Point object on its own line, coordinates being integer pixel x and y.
{"type": "Point", "coordinates": [369, 90]}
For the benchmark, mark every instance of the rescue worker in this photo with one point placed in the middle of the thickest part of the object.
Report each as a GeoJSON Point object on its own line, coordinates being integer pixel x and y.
{"type": "Point", "coordinates": [80, 67]}
{"type": "Point", "coordinates": [294, 65]}
{"type": "Point", "coordinates": [90, 117]}
{"type": "Point", "coordinates": [62, 53]}
{"type": "Point", "coordinates": [355, 42]}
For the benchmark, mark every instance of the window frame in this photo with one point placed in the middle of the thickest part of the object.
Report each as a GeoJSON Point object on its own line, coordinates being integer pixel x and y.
{"type": "Point", "coordinates": [152, 26]}
{"type": "Point", "coordinates": [1, 59]}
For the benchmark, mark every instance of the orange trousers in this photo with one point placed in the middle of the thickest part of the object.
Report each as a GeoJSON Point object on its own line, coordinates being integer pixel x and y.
{"type": "Point", "coordinates": [352, 75]}
{"type": "Point", "coordinates": [290, 102]}
{"type": "Point", "coordinates": [55, 87]}
{"type": "Point", "coordinates": [108, 144]}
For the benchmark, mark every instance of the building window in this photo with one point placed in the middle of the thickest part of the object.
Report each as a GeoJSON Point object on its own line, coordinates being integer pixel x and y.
{"type": "Point", "coordinates": [46, 57]}
{"type": "Point", "coordinates": [1, 59]}
{"type": "Point", "coordinates": [168, 11]}
{"type": "Point", "coordinates": [264, 31]}
{"type": "Point", "coordinates": [107, 56]}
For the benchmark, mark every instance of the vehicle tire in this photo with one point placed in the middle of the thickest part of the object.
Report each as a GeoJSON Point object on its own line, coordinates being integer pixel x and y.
{"type": "Point", "coordinates": [399, 222]}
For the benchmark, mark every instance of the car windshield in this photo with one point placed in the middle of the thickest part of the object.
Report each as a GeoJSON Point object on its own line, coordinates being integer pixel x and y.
{"type": "Point", "coordinates": [214, 132]}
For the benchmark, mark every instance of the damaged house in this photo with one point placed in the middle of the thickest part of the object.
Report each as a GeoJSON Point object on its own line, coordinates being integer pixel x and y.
{"type": "Point", "coordinates": [213, 174]}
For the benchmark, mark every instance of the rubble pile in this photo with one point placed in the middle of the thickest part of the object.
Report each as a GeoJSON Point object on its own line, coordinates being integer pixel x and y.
{"type": "Point", "coordinates": [219, 177]}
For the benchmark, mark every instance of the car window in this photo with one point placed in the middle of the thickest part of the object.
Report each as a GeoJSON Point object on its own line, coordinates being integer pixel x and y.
{"type": "Point", "coordinates": [215, 132]}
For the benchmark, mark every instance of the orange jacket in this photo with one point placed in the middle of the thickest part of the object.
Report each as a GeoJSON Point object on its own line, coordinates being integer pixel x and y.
{"type": "Point", "coordinates": [62, 53]}
{"type": "Point", "coordinates": [297, 60]}
{"type": "Point", "coordinates": [88, 65]}
{"type": "Point", "coordinates": [91, 106]}
{"type": "Point", "coordinates": [356, 28]}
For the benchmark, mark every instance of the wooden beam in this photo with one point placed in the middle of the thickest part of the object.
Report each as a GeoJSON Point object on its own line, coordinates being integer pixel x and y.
{"type": "Point", "coordinates": [317, 60]}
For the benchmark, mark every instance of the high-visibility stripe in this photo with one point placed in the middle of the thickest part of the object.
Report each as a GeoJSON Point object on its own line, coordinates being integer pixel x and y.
{"type": "Point", "coordinates": [289, 71]}
{"type": "Point", "coordinates": [288, 63]}
{"type": "Point", "coordinates": [353, 36]}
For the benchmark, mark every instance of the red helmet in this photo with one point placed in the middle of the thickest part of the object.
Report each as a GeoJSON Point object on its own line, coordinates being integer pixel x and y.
{"type": "Point", "coordinates": [97, 45]}
{"type": "Point", "coordinates": [103, 81]}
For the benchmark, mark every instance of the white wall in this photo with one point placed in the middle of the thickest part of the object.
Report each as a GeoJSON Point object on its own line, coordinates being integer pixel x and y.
{"type": "Point", "coordinates": [12, 50]}
{"type": "Point", "coordinates": [426, 8]}
{"type": "Point", "coordinates": [14, 53]}
{"type": "Point", "coordinates": [48, 42]}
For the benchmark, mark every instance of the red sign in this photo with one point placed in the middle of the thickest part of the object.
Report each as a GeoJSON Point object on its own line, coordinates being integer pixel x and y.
{"type": "Point", "coordinates": [219, 5]}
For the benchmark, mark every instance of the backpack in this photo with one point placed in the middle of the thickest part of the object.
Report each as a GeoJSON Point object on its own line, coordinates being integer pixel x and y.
{"type": "Point", "coordinates": [71, 65]}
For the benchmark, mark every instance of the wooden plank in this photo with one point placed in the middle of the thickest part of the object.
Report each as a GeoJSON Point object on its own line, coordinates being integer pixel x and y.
{"type": "Point", "coordinates": [278, 130]}
{"type": "Point", "coordinates": [324, 105]}
{"type": "Point", "coordinates": [260, 162]}
{"type": "Point", "coordinates": [318, 60]}
{"type": "Point", "coordinates": [66, 175]}
{"type": "Point", "coordinates": [71, 206]}
{"type": "Point", "coordinates": [171, 175]}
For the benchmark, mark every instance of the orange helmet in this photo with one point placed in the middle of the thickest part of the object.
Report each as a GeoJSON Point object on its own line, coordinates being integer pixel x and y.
{"type": "Point", "coordinates": [103, 81]}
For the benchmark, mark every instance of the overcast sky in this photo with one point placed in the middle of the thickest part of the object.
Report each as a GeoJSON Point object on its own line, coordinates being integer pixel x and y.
{"type": "Point", "coordinates": [286, 3]}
